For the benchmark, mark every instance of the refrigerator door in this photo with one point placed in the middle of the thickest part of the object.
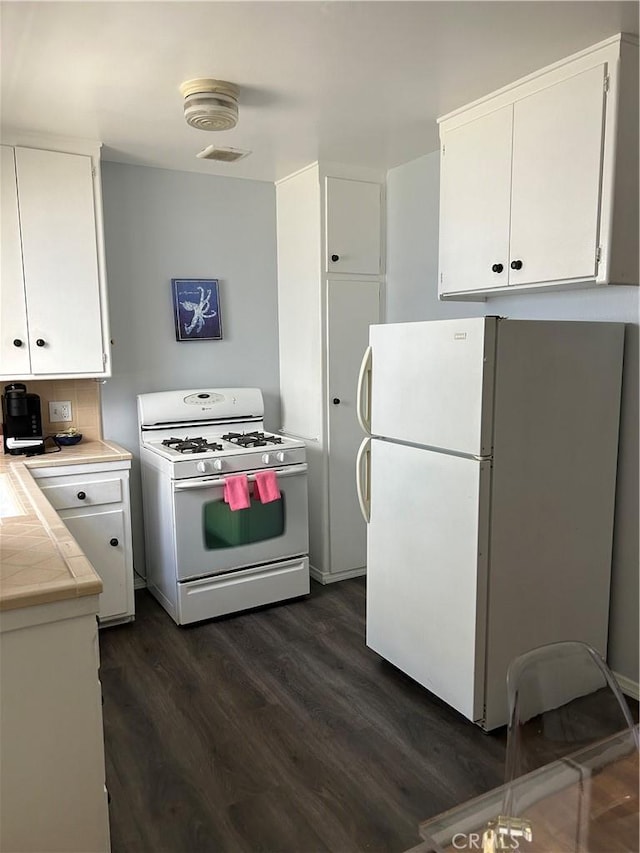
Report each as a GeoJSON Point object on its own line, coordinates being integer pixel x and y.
{"type": "Point", "coordinates": [432, 383]}
{"type": "Point", "coordinates": [427, 569]}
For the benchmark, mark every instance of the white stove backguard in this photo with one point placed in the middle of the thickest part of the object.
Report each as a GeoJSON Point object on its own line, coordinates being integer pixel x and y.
{"type": "Point", "coordinates": [225, 405]}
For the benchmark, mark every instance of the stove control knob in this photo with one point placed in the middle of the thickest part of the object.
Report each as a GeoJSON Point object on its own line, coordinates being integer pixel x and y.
{"type": "Point", "coordinates": [217, 464]}
{"type": "Point", "coordinates": [266, 458]}
{"type": "Point", "coordinates": [280, 456]}
{"type": "Point", "coordinates": [202, 467]}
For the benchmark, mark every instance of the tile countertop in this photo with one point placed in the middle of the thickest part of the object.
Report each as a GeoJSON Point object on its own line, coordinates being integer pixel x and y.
{"type": "Point", "coordinates": [40, 561]}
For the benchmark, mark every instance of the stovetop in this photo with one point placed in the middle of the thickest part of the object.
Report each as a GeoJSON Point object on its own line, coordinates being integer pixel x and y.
{"type": "Point", "coordinates": [191, 445]}
{"type": "Point", "coordinates": [212, 452]}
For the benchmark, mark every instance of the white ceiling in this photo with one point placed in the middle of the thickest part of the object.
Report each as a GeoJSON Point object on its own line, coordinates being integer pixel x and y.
{"type": "Point", "coordinates": [353, 82]}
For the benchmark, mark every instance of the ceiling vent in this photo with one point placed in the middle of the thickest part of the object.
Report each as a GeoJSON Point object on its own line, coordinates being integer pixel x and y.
{"type": "Point", "coordinates": [210, 104]}
{"type": "Point", "coordinates": [222, 155]}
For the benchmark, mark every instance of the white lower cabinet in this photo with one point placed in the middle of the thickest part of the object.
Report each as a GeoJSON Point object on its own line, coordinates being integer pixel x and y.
{"type": "Point", "coordinates": [52, 767]}
{"type": "Point", "coordinates": [93, 502]}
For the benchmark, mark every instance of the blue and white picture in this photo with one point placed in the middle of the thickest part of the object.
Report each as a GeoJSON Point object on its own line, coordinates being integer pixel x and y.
{"type": "Point", "coordinates": [196, 309]}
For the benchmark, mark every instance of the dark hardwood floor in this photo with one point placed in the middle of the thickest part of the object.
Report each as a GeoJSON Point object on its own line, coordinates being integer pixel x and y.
{"type": "Point", "coordinates": [277, 730]}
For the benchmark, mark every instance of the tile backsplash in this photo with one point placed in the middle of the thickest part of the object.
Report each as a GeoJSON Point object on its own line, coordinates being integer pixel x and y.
{"type": "Point", "coordinates": [84, 396]}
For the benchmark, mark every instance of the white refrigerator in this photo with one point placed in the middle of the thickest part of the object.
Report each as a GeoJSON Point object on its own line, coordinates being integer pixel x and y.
{"type": "Point", "coordinates": [487, 478]}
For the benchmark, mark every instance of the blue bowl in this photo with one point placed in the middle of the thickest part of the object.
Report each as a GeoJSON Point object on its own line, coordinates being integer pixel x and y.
{"type": "Point", "coordinates": [68, 440]}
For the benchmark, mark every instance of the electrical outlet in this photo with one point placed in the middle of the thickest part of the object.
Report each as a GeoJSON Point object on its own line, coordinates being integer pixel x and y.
{"type": "Point", "coordinates": [60, 411]}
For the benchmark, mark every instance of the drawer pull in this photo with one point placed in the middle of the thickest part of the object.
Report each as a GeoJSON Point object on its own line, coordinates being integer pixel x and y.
{"type": "Point", "coordinates": [17, 342]}
{"type": "Point", "coordinates": [81, 496]}
{"type": "Point", "coordinates": [113, 542]}
{"type": "Point", "coordinates": [40, 342]}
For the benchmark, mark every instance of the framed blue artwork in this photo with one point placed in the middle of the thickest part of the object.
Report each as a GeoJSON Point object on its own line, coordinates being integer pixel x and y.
{"type": "Point", "coordinates": [196, 309]}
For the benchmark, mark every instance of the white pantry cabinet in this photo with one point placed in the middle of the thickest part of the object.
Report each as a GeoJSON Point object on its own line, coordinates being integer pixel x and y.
{"type": "Point", "coordinates": [52, 768]}
{"type": "Point", "coordinates": [539, 181]}
{"type": "Point", "coordinates": [53, 312]}
{"type": "Point", "coordinates": [93, 501]}
{"type": "Point", "coordinates": [330, 276]}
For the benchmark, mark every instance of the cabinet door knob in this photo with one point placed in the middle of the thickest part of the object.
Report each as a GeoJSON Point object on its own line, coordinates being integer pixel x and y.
{"type": "Point", "coordinates": [17, 342]}
{"type": "Point", "coordinates": [40, 342]}
{"type": "Point", "coordinates": [81, 496]}
{"type": "Point", "coordinates": [336, 401]}
{"type": "Point", "coordinates": [113, 542]}
{"type": "Point", "coordinates": [335, 258]}
{"type": "Point", "coordinates": [497, 268]}
{"type": "Point", "coordinates": [516, 265]}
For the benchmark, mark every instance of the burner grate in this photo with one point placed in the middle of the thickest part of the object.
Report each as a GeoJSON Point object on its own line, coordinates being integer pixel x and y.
{"type": "Point", "coordinates": [251, 439]}
{"type": "Point", "coordinates": [191, 445]}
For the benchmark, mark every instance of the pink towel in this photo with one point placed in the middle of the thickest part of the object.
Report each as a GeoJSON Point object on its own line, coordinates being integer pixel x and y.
{"type": "Point", "coordinates": [236, 491]}
{"type": "Point", "coordinates": [266, 487]}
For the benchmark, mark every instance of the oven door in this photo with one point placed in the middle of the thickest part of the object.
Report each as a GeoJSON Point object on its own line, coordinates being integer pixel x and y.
{"type": "Point", "coordinates": [211, 538]}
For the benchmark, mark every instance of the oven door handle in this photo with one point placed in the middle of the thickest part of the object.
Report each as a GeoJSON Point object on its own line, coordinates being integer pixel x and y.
{"type": "Point", "coordinates": [210, 482]}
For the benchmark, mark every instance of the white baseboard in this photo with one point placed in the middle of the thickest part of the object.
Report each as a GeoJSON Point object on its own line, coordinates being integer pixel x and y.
{"type": "Point", "coordinates": [628, 687]}
{"type": "Point", "coordinates": [138, 581]}
{"type": "Point", "coordinates": [332, 577]}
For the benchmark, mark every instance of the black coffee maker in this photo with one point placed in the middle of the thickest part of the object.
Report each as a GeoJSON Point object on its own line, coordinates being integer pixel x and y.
{"type": "Point", "coordinates": [21, 421]}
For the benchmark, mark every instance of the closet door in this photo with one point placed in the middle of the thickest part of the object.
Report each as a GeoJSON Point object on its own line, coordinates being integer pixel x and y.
{"type": "Point", "coordinates": [353, 225]}
{"type": "Point", "coordinates": [352, 306]}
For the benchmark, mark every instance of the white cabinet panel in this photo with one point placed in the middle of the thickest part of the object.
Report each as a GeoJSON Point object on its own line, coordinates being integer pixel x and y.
{"type": "Point", "coordinates": [14, 336]}
{"type": "Point", "coordinates": [475, 197]}
{"type": "Point", "coordinates": [426, 577]}
{"type": "Point", "coordinates": [52, 772]}
{"type": "Point", "coordinates": [352, 306]}
{"type": "Point", "coordinates": [101, 535]}
{"type": "Point", "coordinates": [60, 261]}
{"type": "Point", "coordinates": [557, 155]}
{"type": "Point", "coordinates": [353, 226]}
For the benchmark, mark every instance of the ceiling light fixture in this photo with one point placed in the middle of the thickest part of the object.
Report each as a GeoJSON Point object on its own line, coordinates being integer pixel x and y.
{"type": "Point", "coordinates": [210, 104]}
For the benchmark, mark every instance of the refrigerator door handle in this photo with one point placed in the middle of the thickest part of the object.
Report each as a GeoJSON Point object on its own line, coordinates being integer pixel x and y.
{"type": "Point", "coordinates": [363, 478]}
{"type": "Point", "coordinates": [364, 378]}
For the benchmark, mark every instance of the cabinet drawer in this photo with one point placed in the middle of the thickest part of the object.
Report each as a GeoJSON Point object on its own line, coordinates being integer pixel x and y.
{"type": "Point", "coordinates": [84, 493]}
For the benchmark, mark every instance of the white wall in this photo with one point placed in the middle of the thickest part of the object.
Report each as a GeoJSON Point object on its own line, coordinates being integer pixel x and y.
{"type": "Point", "coordinates": [161, 225]}
{"type": "Point", "coordinates": [412, 213]}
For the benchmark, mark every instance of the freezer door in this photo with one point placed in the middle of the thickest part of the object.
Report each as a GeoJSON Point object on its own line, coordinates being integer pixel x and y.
{"type": "Point", "coordinates": [426, 571]}
{"type": "Point", "coordinates": [432, 383]}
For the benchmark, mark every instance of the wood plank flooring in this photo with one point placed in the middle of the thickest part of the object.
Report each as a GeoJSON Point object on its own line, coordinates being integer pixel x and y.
{"type": "Point", "coordinates": [277, 730]}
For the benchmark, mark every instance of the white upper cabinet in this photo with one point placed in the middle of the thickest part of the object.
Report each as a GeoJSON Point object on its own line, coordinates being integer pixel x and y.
{"type": "Point", "coordinates": [14, 335]}
{"type": "Point", "coordinates": [53, 320]}
{"type": "Point", "coordinates": [353, 223]}
{"type": "Point", "coordinates": [535, 180]}
{"type": "Point", "coordinates": [475, 200]}
{"type": "Point", "coordinates": [555, 188]}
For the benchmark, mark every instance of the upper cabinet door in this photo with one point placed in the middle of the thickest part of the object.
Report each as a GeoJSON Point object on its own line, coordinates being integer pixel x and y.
{"type": "Point", "coordinates": [353, 227]}
{"type": "Point", "coordinates": [14, 339]}
{"type": "Point", "coordinates": [556, 184]}
{"type": "Point", "coordinates": [474, 203]}
{"type": "Point", "coordinates": [60, 261]}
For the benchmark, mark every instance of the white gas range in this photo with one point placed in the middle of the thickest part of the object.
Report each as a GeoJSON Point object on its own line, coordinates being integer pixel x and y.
{"type": "Point", "coordinates": [203, 558]}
